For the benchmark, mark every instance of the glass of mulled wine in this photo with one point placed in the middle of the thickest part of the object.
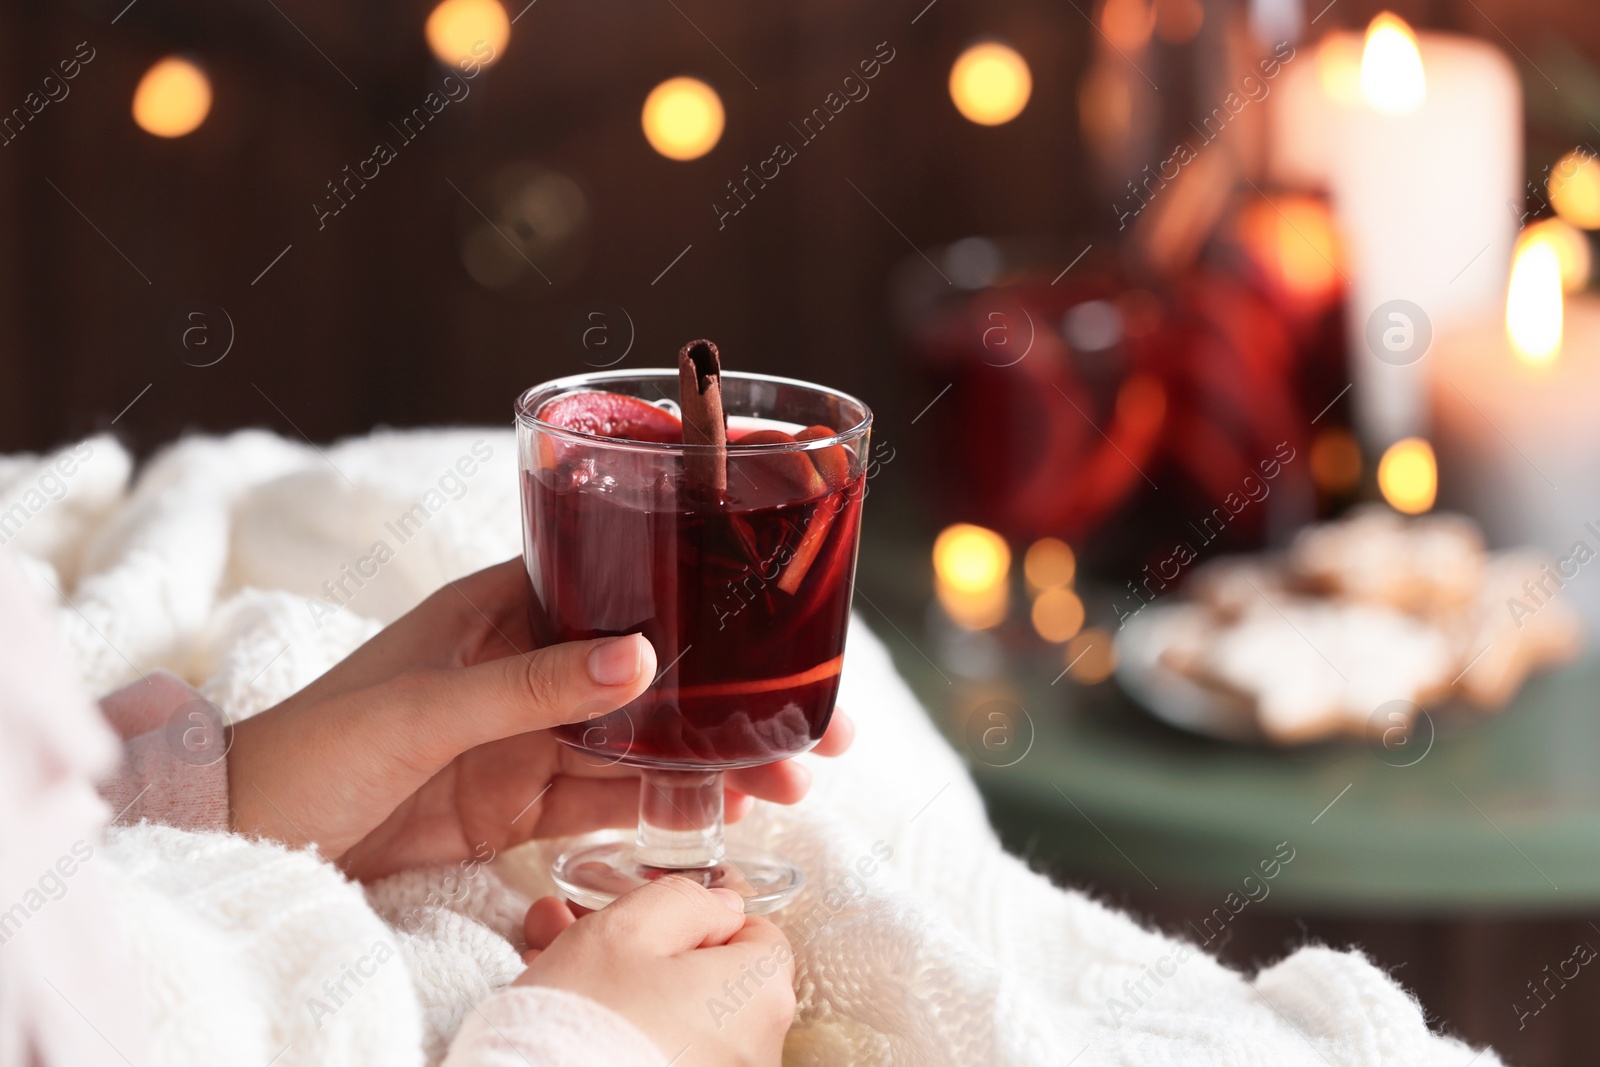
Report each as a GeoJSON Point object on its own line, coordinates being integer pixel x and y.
{"type": "Point", "coordinates": [743, 589]}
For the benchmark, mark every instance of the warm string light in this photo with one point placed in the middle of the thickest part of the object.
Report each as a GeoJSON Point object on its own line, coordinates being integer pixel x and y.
{"type": "Point", "coordinates": [990, 84]}
{"type": "Point", "coordinates": [468, 29]}
{"type": "Point", "coordinates": [1408, 476]}
{"type": "Point", "coordinates": [172, 99]}
{"type": "Point", "coordinates": [1392, 80]}
{"type": "Point", "coordinates": [682, 118]}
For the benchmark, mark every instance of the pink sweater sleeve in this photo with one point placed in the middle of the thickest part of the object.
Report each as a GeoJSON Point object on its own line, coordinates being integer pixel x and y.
{"type": "Point", "coordinates": [533, 1026]}
{"type": "Point", "coordinates": [174, 768]}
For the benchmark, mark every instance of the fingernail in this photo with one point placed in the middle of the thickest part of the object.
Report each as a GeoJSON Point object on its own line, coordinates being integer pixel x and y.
{"type": "Point", "coordinates": [733, 900]}
{"type": "Point", "coordinates": [615, 661]}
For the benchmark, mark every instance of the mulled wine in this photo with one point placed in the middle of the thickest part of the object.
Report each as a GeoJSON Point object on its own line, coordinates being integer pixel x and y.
{"type": "Point", "coordinates": [745, 599]}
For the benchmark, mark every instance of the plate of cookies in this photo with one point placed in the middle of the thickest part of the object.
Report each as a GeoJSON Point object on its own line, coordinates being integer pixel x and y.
{"type": "Point", "coordinates": [1359, 626]}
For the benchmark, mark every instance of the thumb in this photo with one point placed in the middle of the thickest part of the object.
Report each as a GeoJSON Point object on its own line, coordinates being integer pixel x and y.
{"type": "Point", "coordinates": [455, 709]}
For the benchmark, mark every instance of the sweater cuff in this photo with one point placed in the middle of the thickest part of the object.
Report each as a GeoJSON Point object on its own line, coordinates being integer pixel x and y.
{"type": "Point", "coordinates": [174, 769]}
{"type": "Point", "coordinates": [536, 1026]}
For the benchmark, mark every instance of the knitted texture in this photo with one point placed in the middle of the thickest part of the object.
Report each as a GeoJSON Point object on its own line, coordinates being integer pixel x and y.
{"type": "Point", "coordinates": [237, 563]}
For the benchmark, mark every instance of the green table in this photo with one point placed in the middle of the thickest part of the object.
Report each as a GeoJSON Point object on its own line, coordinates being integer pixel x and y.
{"type": "Point", "coordinates": [1501, 814]}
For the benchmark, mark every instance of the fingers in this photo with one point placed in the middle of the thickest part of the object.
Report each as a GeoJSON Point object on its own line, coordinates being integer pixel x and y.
{"type": "Point", "coordinates": [785, 782]}
{"type": "Point", "coordinates": [546, 919]}
{"type": "Point", "coordinates": [736, 806]}
{"type": "Point", "coordinates": [583, 805]}
{"type": "Point", "coordinates": [760, 932]}
{"type": "Point", "coordinates": [757, 957]}
{"type": "Point", "coordinates": [670, 915]}
{"type": "Point", "coordinates": [838, 736]}
{"type": "Point", "coordinates": [758, 946]}
{"type": "Point", "coordinates": [450, 711]}
{"type": "Point", "coordinates": [788, 781]}
{"type": "Point", "coordinates": [495, 590]}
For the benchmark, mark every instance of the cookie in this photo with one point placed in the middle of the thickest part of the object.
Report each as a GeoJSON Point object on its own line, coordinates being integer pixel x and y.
{"type": "Point", "coordinates": [1428, 566]}
{"type": "Point", "coordinates": [1518, 623]}
{"type": "Point", "coordinates": [1317, 669]}
{"type": "Point", "coordinates": [1233, 585]}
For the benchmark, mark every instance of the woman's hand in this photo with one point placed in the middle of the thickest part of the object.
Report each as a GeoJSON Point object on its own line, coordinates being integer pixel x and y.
{"type": "Point", "coordinates": [680, 962]}
{"type": "Point", "coordinates": [432, 741]}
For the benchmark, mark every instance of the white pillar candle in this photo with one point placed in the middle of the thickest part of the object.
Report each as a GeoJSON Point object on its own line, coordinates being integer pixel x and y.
{"type": "Point", "coordinates": [1517, 437]}
{"type": "Point", "coordinates": [1425, 182]}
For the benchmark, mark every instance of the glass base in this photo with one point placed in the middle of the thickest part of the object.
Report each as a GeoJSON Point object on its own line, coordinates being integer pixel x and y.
{"type": "Point", "coordinates": [594, 875]}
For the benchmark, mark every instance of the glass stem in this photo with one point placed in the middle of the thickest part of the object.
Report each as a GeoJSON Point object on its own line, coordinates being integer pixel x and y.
{"type": "Point", "coordinates": [680, 819]}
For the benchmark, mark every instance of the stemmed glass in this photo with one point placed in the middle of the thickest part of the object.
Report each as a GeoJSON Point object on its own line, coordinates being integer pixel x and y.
{"type": "Point", "coordinates": [744, 594]}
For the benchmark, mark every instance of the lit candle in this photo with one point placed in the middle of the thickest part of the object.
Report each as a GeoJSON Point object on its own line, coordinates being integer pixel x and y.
{"type": "Point", "coordinates": [1418, 140]}
{"type": "Point", "coordinates": [1518, 440]}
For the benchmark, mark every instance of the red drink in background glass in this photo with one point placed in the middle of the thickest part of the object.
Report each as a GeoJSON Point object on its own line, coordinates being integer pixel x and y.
{"type": "Point", "coordinates": [741, 581]}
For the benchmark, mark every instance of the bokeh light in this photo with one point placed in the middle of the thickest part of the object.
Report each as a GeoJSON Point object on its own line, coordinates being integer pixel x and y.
{"type": "Point", "coordinates": [990, 84]}
{"type": "Point", "coordinates": [1091, 656]}
{"type": "Point", "coordinates": [172, 99]}
{"type": "Point", "coordinates": [460, 29]}
{"type": "Point", "coordinates": [1105, 106]}
{"type": "Point", "coordinates": [1391, 66]}
{"type": "Point", "coordinates": [682, 118]}
{"type": "Point", "coordinates": [1294, 239]}
{"type": "Point", "coordinates": [1574, 188]}
{"type": "Point", "coordinates": [1570, 246]}
{"type": "Point", "coordinates": [1127, 24]}
{"type": "Point", "coordinates": [1049, 563]}
{"type": "Point", "coordinates": [1339, 67]}
{"type": "Point", "coordinates": [1178, 21]}
{"type": "Point", "coordinates": [1057, 615]}
{"type": "Point", "coordinates": [1408, 476]}
{"type": "Point", "coordinates": [970, 558]}
{"type": "Point", "coordinates": [1336, 461]}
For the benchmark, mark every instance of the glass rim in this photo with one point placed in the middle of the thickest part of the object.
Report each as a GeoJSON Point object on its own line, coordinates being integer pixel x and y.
{"type": "Point", "coordinates": [524, 412]}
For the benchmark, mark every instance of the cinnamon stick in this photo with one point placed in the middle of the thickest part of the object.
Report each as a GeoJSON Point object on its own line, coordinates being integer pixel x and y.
{"type": "Point", "coordinates": [705, 470]}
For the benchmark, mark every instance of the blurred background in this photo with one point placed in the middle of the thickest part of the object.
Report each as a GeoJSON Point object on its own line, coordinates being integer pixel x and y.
{"type": "Point", "coordinates": [1235, 471]}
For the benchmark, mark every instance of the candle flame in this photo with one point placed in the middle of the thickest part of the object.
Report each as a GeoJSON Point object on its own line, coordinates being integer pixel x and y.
{"type": "Point", "coordinates": [1391, 66]}
{"type": "Point", "coordinates": [1534, 302]}
{"type": "Point", "coordinates": [1408, 476]}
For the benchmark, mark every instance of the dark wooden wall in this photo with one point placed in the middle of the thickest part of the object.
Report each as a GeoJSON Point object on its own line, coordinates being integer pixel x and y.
{"type": "Point", "coordinates": [374, 320]}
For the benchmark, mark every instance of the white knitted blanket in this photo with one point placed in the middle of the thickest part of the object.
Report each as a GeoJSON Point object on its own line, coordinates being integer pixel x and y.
{"type": "Point", "coordinates": [945, 951]}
